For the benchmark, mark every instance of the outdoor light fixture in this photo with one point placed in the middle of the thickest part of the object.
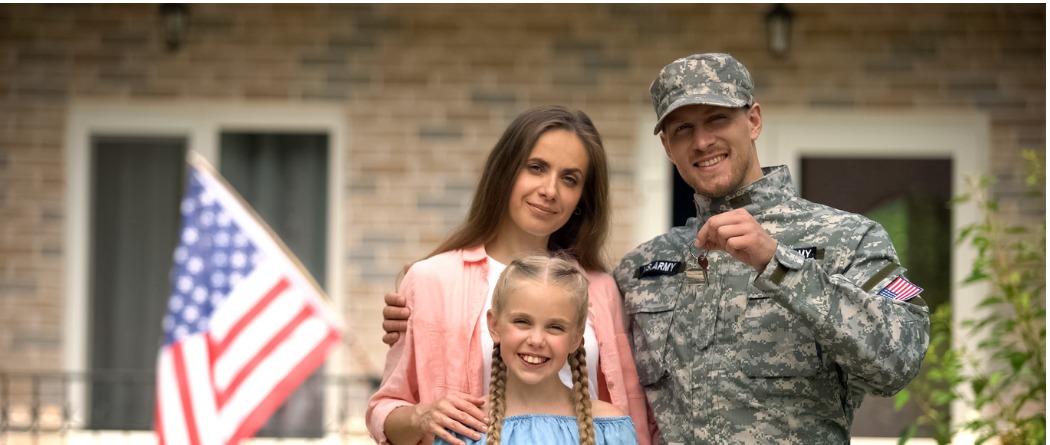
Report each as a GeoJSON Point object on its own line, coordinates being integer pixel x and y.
{"type": "Point", "coordinates": [778, 29]}
{"type": "Point", "coordinates": [175, 17]}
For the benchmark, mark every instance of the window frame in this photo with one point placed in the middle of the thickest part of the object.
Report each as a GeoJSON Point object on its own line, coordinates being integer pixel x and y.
{"type": "Point", "coordinates": [201, 124]}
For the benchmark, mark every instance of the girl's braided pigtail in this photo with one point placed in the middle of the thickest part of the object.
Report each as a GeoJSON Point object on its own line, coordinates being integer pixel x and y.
{"type": "Point", "coordinates": [581, 395]}
{"type": "Point", "coordinates": [497, 397]}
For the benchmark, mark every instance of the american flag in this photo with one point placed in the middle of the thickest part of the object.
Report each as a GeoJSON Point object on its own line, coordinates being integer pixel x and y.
{"type": "Point", "coordinates": [900, 289]}
{"type": "Point", "coordinates": [245, 325]}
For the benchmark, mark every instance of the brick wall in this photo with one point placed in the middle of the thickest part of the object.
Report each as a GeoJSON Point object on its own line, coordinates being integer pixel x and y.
{"type": "Point", "coordinates": [428, 89]}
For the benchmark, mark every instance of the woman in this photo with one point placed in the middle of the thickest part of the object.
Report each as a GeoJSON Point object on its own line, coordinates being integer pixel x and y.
{"type": "Point", "coordinates": [544, 189]}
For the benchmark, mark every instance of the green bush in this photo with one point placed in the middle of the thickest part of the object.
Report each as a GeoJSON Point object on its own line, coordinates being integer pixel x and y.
{"type": "Point", "coordinates": [1003, 378]}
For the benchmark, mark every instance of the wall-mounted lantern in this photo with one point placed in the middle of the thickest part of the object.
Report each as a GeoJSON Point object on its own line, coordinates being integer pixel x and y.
{"type": "Point", "coordinates": [778, 29]}
{"type": "Point", "coordinates": [175, 19]}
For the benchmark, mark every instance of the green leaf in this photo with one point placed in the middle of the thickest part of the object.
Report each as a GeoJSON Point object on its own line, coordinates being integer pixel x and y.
{"type": "Point", "coordinates": [960, 199]}
{"type": "Point", "coordinates": [1018, 359]}
{"type": "Point", "coordinates": [941, 397]}
{"type": "Point", "coordinates": [1016, 230]}
{"type": "Point", "coordinates": [975, 276]}
{"type": "Point", "coordinates": [978, 385]}
{"type": "Point", "coordinates": [990, 301]}
{"type": "Point", "coordinates": [901, 399]}
{"type": "Point", "coordinates": [907, 434]}
{"type": "Point", "coordinates": [994, 378]}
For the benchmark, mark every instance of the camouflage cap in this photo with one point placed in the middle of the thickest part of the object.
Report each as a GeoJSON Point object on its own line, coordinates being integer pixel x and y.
{"type": "Point", "coordinates": [709, 79]}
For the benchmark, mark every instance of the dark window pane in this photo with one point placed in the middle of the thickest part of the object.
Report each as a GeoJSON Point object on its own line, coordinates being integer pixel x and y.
{"type": "Point", "coordinates": [136, 187]}
{"type": "Point", "coordinates": [284, 177]}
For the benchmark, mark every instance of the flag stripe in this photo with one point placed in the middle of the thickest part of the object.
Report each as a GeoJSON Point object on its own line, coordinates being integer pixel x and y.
{"type": "Point", "coordinates": [254, 336]}
{"type": "Point", "coordinates": [168, 400]}
{"type": "Point", "coordinates": [175, 429]}
{"type": "Point", "coordinates": [245, 295]}
{"type": "Point", "coordinates": [265, 352]}
{"type": "Point", "coordinates": [184, 394]}
{"type": "Point", "coordinates": [158, 423]}
{"type": "Point", "coordinates": [198, 371]}
{"type": "Point", "coordinates": [247, 318]}
{"type": "Point", "coordinates": [282, 360]}
{"type": "Point", "coordinates": [314, 359]}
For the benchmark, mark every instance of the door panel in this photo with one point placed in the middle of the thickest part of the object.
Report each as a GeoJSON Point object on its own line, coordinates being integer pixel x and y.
{"type": "Point", "coordinates": [909, 197]}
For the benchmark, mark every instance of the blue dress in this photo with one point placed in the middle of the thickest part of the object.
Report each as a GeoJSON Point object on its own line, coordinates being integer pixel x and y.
{"type": "Point", "coordinates": [546, 429]}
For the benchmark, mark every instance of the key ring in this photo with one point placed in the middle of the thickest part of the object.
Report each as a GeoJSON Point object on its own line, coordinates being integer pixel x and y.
{"type": "Point", "coordinates": [697, 274]}
{"type": "Point", "coordinates": [701, 260]}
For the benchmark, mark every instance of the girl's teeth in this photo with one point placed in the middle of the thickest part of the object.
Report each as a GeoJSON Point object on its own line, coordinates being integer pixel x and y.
{"type": "Point", "coordinates": [532, 359]}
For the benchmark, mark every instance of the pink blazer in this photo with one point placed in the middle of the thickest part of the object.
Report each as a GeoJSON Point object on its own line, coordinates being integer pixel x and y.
{"type": "Point", "coordinates": [441, 351]}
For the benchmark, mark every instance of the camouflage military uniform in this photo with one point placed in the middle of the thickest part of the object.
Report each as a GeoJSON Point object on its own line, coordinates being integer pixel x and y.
{"type": "Point", "coordinates": [784, 357]}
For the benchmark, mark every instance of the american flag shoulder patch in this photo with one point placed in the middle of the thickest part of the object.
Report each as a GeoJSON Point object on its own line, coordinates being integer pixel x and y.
{"type": "Point", "coordinates": [900, 289]}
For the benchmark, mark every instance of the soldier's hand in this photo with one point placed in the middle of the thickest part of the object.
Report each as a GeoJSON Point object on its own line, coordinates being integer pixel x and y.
{"type": "Point", "coordinates": [738, 233]}
{"type": "Point", "coordinates": [395, 318]}
{"type": "Point", "coordinates": [395, 313]}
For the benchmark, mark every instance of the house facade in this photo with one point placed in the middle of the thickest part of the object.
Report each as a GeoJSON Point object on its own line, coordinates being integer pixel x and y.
{"type": "Point", "coordinates": [375, 120]}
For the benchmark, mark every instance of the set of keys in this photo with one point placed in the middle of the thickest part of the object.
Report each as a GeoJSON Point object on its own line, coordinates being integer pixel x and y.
{"type": "Point", "coordinates": [696, 272]}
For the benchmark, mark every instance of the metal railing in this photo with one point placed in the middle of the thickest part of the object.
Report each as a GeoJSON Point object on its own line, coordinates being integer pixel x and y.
{"type": "Point", "coordinates": [118, 405]}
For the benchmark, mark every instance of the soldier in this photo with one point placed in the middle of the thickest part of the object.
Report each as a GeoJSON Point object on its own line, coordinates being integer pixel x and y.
{"type": "Point", "coordinates": [767, 318]}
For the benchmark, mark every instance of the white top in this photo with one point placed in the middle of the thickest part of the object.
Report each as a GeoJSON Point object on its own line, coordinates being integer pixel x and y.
{"type": "Point", "coordinates": [589, 340]}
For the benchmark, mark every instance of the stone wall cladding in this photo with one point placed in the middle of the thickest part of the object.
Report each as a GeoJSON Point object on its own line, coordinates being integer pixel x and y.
{"type": "Point", "coordinates": [428, 89]}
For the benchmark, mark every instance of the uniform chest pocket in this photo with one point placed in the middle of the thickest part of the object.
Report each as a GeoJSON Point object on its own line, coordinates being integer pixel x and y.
{"type": "Point", "coordinates": [774, 342]}
{"type": "Point", "coordinates": [650, 304]}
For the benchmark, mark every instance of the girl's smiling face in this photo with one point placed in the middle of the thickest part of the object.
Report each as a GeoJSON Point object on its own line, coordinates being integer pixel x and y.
{"type": "Point", "coordinates": [536, 330]}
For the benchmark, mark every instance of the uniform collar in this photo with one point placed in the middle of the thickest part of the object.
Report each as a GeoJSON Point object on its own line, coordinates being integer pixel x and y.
{"type": "Point", "coordinates": [772, 188]}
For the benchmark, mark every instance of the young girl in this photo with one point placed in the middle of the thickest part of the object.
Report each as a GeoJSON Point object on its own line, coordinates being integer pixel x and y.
{"type": "Point", "coordinates": [539, 308]}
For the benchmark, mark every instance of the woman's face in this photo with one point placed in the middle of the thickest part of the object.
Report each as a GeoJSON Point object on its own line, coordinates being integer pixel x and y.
{"type": "Point", "coordinates": [549, 186]}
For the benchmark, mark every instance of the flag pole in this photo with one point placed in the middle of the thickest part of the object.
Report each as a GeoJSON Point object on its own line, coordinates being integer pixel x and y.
{"type": "Point", "coordinates": [195, 159]}
{"type": "Point", "coordinates": [201, 163]}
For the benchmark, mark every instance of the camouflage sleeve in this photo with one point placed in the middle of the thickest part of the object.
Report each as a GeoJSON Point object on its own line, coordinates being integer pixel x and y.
{"type": "Point", "coordinates": [879, 342]}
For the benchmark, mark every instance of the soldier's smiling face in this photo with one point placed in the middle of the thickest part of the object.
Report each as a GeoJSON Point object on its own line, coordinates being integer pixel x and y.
{"type": "Point", "coordinates": [714, 147]}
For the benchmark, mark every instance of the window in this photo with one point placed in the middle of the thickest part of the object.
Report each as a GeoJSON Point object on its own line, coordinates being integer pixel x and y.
{"type": "Point", "coordinates": [284, 178]}
{"type": "Point", "coordinates": [134, 227]}
{"type": "Point", "coordinates": [126, 174]}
